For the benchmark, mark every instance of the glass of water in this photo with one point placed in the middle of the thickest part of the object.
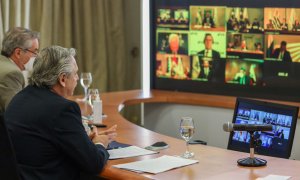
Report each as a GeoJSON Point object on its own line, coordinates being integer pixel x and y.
{"type": "Point", "coordinates": [187, 130]}
{"type": "Point", "coordinates": [85, 81]}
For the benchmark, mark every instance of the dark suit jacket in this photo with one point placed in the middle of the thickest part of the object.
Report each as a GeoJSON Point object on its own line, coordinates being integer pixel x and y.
{"type": "Point", "coordinates": [8, 162]}
{"type": "Point", "coordinates": [208, 21]}
{"type": "Point", "coordinates": [286, 56]}
{"type": "Point", "coordinates": [247, 80]}
{"type": "Point", "coordinates": [215, 56]}
{"type": "Point", "coordinates": [48, 137]}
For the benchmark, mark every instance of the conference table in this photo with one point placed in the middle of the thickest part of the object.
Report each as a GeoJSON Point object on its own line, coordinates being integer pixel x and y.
{"type": "Point", "coordinates": [214, 163]}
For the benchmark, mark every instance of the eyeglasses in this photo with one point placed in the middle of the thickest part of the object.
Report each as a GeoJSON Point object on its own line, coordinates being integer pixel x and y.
{"type": "Point", "coordinates": [35, 53]}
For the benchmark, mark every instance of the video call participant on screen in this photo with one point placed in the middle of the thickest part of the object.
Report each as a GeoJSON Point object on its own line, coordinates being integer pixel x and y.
{"type": "Point", "coordinates": [243, 45]}
{"type": "Point", "coordinates": [164, 17]}
{"type": "Point", "coordinates": [232, 23]}
{"type": "Point", "coordinates": [46, 128]}
{"type": "Point", "coordinates": [206, 57]}
{"type": "Point", "coordinates": [175, 67]}
{"type": "Point", "coordinates": [279, 133]}
{"type": "Point", "coordinates": [270, 24]}
{"type": "Point", "coordinates": [209, 52]}
{"type": "Point", "coordinates": [255, 24]}
{"type": "Point", "coordinates": [282, 53]}
{"type": "Point", "coordinates": [258, 47]}
{"type": "Point", "coordinates": [174, 45]}
{"type": "Point", "coordinates": [181, 19]}
{"type": "Point", "coordinates": [19, 48]}
{"type": "Point", "coordinates": [208, 20]}
{"type": "Point", "coordinates": [244, 24]}
{"type": "Point", "coordinates": [242, 78]}
{"type": "Point", "coordinates": [296, 25]}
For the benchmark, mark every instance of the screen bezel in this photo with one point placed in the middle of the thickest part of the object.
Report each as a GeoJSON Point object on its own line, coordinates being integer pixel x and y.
{"type": "Point", "coordinates": [266, 105]}
{"type": "Point", "coordinates": [278, 93]}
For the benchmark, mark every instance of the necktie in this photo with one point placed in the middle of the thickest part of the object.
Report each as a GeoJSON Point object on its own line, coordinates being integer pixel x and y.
{"type": "Point", "coordinates": [206, 71]}
{"type": "Point", "coordinates": [281, 55]}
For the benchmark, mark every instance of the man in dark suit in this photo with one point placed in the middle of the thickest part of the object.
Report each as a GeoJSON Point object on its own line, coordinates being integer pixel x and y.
{"type": "Point", "coordinates": [282, 53]}
{"type": "Point", "coordinates": [208, 20]}
{"type": "Point", "coordinates": [255, 24]}
{"type": "Point", "coordinates": [46, 128]}
{"type": "Point", "coordinates": [207, 56]}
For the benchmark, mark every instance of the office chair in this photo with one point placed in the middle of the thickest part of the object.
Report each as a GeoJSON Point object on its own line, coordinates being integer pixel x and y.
{"type": "Point", "coordinates": [8, 162]}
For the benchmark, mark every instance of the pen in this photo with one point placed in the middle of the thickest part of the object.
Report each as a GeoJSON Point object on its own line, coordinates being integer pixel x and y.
{"type": "Point", "coordinates": [99, 125]}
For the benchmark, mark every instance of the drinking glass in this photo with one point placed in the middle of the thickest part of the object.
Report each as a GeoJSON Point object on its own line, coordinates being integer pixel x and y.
{"type": "Point", "coordinates": [85, 81]}
{"type": "Point", "coordinates": [187, 130]}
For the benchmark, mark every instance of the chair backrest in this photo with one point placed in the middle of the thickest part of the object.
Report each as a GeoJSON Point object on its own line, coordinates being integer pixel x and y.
{"type": "Point", "coordinates": [8, 163]}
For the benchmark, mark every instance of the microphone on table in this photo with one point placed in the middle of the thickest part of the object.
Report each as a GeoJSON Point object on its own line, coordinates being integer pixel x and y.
{"type": "Point", "coordinates": [228, 127]}
{"type": "Point", "coordinates": [250, 128]}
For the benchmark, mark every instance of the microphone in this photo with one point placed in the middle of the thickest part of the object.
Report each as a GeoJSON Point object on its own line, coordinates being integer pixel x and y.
{"type": "Point", "coordinates": [228, 127]}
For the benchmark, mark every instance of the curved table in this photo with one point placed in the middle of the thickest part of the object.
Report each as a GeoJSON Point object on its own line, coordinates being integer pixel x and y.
{"type": "Point", "coordinates": [214, 163]}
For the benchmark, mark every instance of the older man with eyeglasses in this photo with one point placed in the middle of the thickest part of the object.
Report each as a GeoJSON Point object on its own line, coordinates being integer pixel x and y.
{"type": "Point", "coordinates": [19, 48]}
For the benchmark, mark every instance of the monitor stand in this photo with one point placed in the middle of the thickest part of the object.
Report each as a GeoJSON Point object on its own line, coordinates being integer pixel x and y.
{"type": "Point", "coordinates": [252, 161]}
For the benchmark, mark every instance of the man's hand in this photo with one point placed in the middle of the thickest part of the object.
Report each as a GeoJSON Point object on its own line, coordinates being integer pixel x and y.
{"type": "Point", "coordinates": [93, 133]}
{"type": "Point", "coordinates": [111, 133]}
{"type": "Point", "coordinates": [101, 139]}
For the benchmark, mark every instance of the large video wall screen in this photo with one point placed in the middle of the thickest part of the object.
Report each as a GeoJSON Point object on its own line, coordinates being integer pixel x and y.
{"type": "Point", "coordinates": [231, 49]}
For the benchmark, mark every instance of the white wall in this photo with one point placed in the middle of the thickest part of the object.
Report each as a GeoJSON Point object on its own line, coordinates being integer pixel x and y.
{"type": "Point", "coordinates": [132, 21]}
{"type": "Point", "coordinates": [164, 118]}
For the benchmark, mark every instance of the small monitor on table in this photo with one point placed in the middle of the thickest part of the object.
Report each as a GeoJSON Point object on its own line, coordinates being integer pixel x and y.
{"type": "Point", "coordinates": [279, 141]}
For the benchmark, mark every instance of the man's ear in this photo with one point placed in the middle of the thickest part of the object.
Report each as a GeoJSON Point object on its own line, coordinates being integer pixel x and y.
{"type": "Point", "coordinates": [62, 79]}
{"type": "Point", "coordinates": [17, 52]}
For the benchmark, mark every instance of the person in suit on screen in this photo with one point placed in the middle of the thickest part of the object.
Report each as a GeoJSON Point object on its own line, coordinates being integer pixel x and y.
{"type": "Point", "coordinates": [209, 52]}
{"type": "Point", "coordinates": [270, 25]}
{"type": "Point", "coordinates": [206, 57]}
{"type": "Point", "coordinates": [255, 24]}
{"type": "Point", "coordinates": [282, 53]}
{"type": "Point", "coordinates": [296, 25]}
{"type": "Point", "coordinates": [174, 46]}
{"type": "Point", "coordinates": [175, 68]}
{"type": "Point", "coordinates": [208, 20]}
{"type": "Point", "coordinates": [46, 128]}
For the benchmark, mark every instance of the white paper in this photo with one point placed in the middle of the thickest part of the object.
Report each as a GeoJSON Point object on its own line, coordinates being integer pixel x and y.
{"type": "Point", "coordinates": [157, 165]}
{"type": "Point", "coordinates": [129, 151]}
{"type": "Point", "coordinates": [274, 177]}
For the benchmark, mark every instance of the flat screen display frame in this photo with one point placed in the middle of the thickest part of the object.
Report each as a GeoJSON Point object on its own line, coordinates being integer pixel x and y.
{"type": "Point", "coordinates": [279, 92]}
{"type": "Point", "coordinates": [281, 117]}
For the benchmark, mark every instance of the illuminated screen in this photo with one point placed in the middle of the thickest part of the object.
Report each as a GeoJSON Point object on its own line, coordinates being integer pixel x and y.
{"type": "Point", "coordinates": [277, 142]}
{"type": "Point", "coordinates": [240, 48]}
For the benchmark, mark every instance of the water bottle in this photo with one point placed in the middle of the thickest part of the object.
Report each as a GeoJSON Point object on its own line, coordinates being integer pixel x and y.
{"type": "Point", "coordinates": [86, 127]}
{"type": "Point", "coordinates": [97, 110]}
